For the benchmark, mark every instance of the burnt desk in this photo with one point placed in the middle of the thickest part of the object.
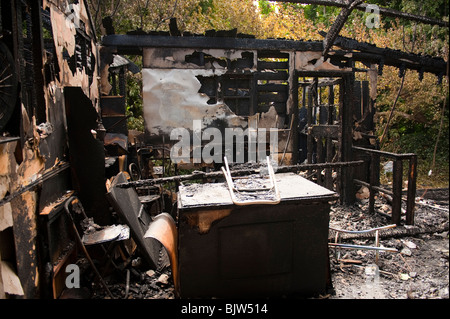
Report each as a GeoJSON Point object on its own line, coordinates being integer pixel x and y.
{"type": "Point", "coordinates": [228, 250]}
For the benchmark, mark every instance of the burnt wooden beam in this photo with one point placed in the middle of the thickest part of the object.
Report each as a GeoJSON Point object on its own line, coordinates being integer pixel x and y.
{"type": "Point", "coordinates": [38, 64]}
{"type": "Point", "coordinates": [347, 191]}
{"type": "Point", "coordinates": [312, 90]}
{"type": "Point", "coordinates": [293, 91]}
{"type": "Point", "coordinates": [368, 52]}
{"type": "Point", "coordinates": [263, 65]}
{"type": "Point", "coordinates": [272, 88]}
{"type": "Point", "coordinates": [329, 141]}
{"type": "Point", "coordinates": [338, 24]}
{"type": "Point", "coordinates": [131, 44]}
{"type": "Point", "coordinates": [197, 175]}
{"type": "Point", "coordinates": [383, 11]}
{"type": "Point", "coordinates": [275, 76]}
{"type": "Point", "coordinates": [397, 190]}
{"type": "Point", "coordinates": [411, 193]}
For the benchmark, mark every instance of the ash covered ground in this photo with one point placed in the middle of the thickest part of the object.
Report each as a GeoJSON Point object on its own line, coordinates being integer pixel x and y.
{"type": "Point", "coordinates": [419, 269]}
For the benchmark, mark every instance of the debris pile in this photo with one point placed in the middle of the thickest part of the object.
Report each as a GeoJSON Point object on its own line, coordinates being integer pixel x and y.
{"type": "Point", "coordinates": [418, 270]}
{"type": "Point", "coordinates": [134, 282]}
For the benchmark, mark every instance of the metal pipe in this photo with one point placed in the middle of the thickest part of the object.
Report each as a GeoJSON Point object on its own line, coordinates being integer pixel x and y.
{"type": "Point", "coordinates": [377, 244]}
{"type": "Point", "coordinates": [383, 153]}
{"type": "Point", "coordinates": [363, 231]}
{"type": "Point", "coordinates": [349, 246]}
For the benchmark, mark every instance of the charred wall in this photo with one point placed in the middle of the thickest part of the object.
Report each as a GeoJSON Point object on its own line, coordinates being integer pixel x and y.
{"type": "Point", "coordinates": [51, 47]}
{"type": "Point", "coordinates": [225, 88]}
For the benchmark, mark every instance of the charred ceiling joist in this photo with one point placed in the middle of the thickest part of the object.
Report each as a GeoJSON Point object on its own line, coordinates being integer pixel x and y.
{"type": "Point", "coordinates": [369, 53]}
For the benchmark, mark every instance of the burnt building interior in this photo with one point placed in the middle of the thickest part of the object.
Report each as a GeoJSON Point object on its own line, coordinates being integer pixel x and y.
{"type": "Point", "coordinates": [76, 182]}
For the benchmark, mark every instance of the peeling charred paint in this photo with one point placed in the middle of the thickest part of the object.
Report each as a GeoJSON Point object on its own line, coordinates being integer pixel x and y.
{"type": "Point", "coordinates": [227, 88]}
{"type": "Point", "coordinates": [171, 100]}
{"type": "Point", "coordinates": [25, 237]}
{"type": "Point", "coordinates": [203, 220]}
{"type": "Point", "coordinates": [218, 87]}
{"type": "Point", "coordinates": [199, 59]}
{"type": "Point", "coordinates": [70, 31]}
{"type": "Point", "coordinates": [314, 61]}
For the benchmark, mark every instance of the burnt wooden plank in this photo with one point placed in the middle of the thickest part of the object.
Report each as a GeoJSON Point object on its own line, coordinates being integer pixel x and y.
{"type": "Point", "coordinates": [328, 131]}
{"type": "Point", "coordinates": [273, 54]}
{"type": "Point", "coordinates": [397, 190]}
{"type": "Point", "coordinates": [272, 76]}
{"type": "Point", "coordinates": [319, 159]}
{"type": "Point", "coordinates": [270, 65]}
{"type": "Point", "coordinates": [278, 97]}
{"type": "Point", "coordinates": [346, 117]}
{"type": "Point", "coordinates": [273, 88]}
{"type": "Point", "coordinates": [329, 141]}
{"type": "Point", "coordinates": [309, 121]}
{"type": "Point", "coordinates": [411, 202]}
{"type": "Point", "coordinates": [24, 213]}
{"type": "Point", "coordinates": [337, 25]}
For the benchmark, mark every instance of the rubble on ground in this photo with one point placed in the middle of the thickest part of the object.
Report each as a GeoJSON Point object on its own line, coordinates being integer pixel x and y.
{"type": "Point", "coordinates": [418, 270]}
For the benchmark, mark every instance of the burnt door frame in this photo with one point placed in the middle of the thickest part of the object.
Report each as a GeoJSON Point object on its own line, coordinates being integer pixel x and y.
{"type": "Point", "coordinates": [345, 186]}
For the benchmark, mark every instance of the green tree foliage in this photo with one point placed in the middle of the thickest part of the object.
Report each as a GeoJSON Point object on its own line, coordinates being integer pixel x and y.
{"type": "Point", "coordinates": [265, 6]}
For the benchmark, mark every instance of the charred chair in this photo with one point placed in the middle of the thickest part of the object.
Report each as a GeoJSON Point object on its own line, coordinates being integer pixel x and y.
{"type": "Point", "coordinates": [87, 233]}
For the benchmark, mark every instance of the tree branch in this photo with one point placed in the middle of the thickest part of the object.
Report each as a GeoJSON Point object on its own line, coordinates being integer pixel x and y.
{"type": "Point", "coordinates": [383, 11]}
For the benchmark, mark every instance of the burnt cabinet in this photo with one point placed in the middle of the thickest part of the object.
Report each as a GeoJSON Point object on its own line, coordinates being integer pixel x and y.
{"type": "Point", "coordinates": [228, 250]}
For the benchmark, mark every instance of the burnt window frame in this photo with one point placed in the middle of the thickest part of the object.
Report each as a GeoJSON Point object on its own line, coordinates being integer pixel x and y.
{"type": "Point", "coordinates": [83, 55]}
